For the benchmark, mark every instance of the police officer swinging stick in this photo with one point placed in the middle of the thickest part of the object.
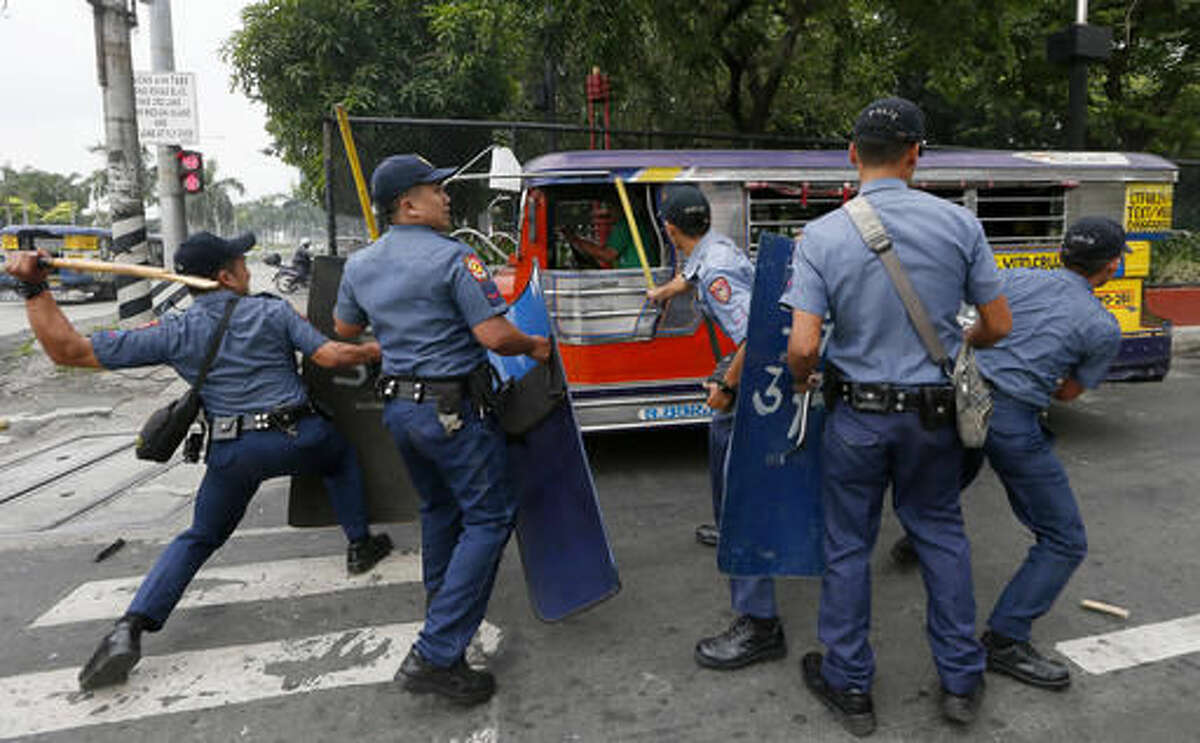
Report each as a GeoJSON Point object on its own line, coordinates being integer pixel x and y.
{"type": "Point", "coordinates": [258, 410]}
{"type": "Point", "coordinates": [435, 309]}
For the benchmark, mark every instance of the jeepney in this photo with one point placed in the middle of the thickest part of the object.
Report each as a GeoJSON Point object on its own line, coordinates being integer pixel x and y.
{"type": "Point", "coordinates": [632, 365]}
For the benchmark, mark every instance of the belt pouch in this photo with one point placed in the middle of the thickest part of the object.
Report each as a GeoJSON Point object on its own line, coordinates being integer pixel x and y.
{"type": "Point", "coordinates": [226, 428]}
{"type": "Point", "coordinates": [869, 398]}
{"type": "Point", "coordinates": [937, 407]}
{"type": "Point", "coordinates": [448, 398]}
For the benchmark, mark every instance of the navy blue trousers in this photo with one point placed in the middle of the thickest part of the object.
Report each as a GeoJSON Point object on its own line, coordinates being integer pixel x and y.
{"type": "Point", "coordinates": [753, 596]}
{"type": "Point", "coordinates": [468, 509]}
{"type": "Point", "coordinates": [1021, 453]}
{"type": "Point", "coordinates": [235, 470]}
{"type": "Point", "coordinates": [863, 454]}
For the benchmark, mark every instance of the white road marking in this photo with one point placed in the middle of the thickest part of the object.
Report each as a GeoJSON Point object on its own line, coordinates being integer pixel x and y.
{"type": "Point", "coordinates": [1133, 647]}
{"type": "Point", "coordinates": [203, 679]}
{"type": "Point", "coordinates": [260, 581]}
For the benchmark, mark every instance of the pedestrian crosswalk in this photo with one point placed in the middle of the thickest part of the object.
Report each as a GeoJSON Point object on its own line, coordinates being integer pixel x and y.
{"type": "Point", "coordinates": [47, 701]}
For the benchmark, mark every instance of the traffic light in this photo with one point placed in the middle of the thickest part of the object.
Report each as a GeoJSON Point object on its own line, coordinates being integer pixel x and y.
{"type": "Point", "coordinates": [191, 171]}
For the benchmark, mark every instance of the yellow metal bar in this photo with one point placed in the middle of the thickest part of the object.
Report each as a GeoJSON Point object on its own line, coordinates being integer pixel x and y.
{"type": "Point", "coordinates": [364, 199]}
{"type": "Point", "coordinates": [635, 232]}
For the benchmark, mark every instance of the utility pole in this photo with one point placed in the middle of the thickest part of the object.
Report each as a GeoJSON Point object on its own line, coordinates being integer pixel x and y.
{"type": "Point", "coordinates": [113, 19]}
{"type": "Point", "coordinates": [170, 193]}
{"type": "Point", "coordinates": [1078, 45]}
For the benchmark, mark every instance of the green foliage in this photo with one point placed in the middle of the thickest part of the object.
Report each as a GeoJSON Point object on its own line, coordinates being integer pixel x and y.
{"type": "Point", "coordinates": [212, 209]}
{"type": "Point", "coordinates": [1176, 260]}
{"type": "Point", "coordinates": [39, 197]}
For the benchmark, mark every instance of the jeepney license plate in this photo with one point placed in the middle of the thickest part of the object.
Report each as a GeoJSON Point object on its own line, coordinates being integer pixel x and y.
{"type": "Point", "coordinates": [675, 412]}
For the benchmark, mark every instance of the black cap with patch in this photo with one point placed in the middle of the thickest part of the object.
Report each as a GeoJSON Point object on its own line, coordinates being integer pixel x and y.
{"type": "Point", "coordinates": [398, 173]}
{"type": "Point", "coordinates": [890, 120]}
{"type": "Point", "coordinates": [203, 253]}
{"type": "Point", "coordinates": [1094, 238]}
{"type": "Point", "coordinates": [687, 208]}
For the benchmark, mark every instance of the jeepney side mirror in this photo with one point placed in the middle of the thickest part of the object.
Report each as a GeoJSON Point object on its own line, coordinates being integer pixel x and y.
{"type": "Point", "coordinates": [505, 171]}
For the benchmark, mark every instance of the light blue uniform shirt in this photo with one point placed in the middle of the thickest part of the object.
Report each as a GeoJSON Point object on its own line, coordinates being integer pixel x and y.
{"type": "Point", "coordinates": [255, 368]}
{"type": "Point", "coordinates": [724, 278]}
{"type": "Point", "coordinates": [1060, 330]}
{"type": "Point", "coordinates": [942, 248]}
{"type": "Point", "coordinates": [421, 292]}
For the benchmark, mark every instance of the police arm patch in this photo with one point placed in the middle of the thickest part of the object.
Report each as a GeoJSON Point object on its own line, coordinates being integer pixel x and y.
{"type": "Point", "coordinates": [720, 290]}
{"type": "Point", "coordinates": [476, 268]}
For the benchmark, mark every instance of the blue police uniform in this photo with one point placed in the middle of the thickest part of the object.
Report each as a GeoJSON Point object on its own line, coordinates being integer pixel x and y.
{"type": "Point", "coordinates": [422, 293]}
{"type": "Point", "coordinates": [872, 340]}
{"type": "Point", "coordinates": [724, 278]}
{"type": "Point", "coordinates": [1060, 330]}
{"type": "Point", "coordinates": [254, 371]}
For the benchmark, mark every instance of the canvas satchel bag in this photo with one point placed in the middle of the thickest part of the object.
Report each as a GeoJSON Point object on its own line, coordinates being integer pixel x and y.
{"type": "Point", "coordinates": [972, 396]}
{"type": "Point", "coordinates": [166, 427]}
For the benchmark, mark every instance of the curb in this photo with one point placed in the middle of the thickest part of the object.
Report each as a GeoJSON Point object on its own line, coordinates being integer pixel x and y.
{"type": "Point", "coordinates": [1185, 340]}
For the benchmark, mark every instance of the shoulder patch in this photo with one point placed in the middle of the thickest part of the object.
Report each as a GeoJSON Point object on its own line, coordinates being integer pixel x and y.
{"type": "Point", "coordinates": [476, 268]}
{"type": "Point", "coordinates": [719, 289]}
{"type": "Point", "coordinates": [145, 325]}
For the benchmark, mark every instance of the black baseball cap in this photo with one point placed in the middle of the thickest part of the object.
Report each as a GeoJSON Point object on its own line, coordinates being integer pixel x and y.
{"type": "Point", "coordinates": [203, 253]}
{"type": "Point", "coordinates": [890, 120]}
{"type": "Point", "coordinates": [687, 208]}
{"type": "Point", "coordinates": [398, 173]}
{"type": "Point", "coordinates": [1094, 238]}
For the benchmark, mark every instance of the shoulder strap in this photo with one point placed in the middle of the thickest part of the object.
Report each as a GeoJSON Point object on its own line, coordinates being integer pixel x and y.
{"type": "Point", "coordinates": [215, 343]}
{"type": "Point", "coordinates": [712, 336]}
{"type": "Point", "coordinates": [873, 233]}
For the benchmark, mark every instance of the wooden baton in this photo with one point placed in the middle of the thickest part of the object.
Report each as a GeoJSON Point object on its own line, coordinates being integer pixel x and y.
{"type": "Point", "coordinates": [1104, 608]}
{"type": "Point", "coordinates": [129, 269]}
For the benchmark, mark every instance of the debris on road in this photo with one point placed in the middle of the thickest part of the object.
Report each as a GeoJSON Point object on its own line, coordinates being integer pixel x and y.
{"type": "Point", "coordinates": [1104, 608]}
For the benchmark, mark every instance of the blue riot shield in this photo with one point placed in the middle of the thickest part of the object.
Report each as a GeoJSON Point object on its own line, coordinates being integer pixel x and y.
{"type": "Point", "coordinates": [771, 522]}
{"type": "Point", "coordinates": [568, 563]}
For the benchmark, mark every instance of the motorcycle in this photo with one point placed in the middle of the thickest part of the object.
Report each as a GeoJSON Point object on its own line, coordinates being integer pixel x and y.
{"type": "Point", "coordinates": [287, 278]}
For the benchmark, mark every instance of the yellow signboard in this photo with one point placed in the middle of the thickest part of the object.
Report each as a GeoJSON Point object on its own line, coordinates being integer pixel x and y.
{"type": "Point", "coordinates": [1123, 298]}
{"type": "Point", "coordinates": [10, 242]}
{"type": "Point", "coordinates": [1148, 207]}
{"type": "Point", "coordinates": [1135, 264]}
{"type": "Point", "coordinates": [81, 242]}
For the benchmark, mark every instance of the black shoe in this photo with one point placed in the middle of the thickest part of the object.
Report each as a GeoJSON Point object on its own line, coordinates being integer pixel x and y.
{"type": "Point", "coordinates": [853, 708]}
{"type": "Point", "coordinates": [363, 554]}
{"type": "Point", "coordinates": [962, 708]}
{"type": "Point", "coordinates": [119, 651]}
{"type": "Point", "coordinates": [708, 534]}
{"type": "Point", "coordinates": [904, 554]}
{"type": "Point", "coordinates": [748, 640]}
{"type": "Point", "coordinates": [1023, 662]}
{"type": "Point", "coordinates": [459, 683]}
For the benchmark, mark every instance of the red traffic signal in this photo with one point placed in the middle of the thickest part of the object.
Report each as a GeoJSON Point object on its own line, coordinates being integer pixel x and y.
{"type": "Point", "coordinates": [191, 170]}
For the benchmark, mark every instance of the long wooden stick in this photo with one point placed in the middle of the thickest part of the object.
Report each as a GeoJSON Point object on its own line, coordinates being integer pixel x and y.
{"type": "Point", "coordinates": [360, 184]}
{"type": "Point", "coordinates": [130, 269]}
{"type": "Point", "coordinates": [634, 231]}
{"type": "Point", "coordinates": [1103, 608]}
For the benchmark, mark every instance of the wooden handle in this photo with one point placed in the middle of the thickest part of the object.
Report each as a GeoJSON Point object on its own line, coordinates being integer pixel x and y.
{"type": "Point", "coordinates": [130, 269]}
{"type": "Point", "coordinates": [1104, 608]}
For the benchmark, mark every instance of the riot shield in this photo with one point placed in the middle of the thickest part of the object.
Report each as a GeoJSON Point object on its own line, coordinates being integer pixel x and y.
{"type": "Point", "coordinates": [771, 521]}
{"type": "Point", "coordinates": [568, 563]}
{"type": "Point", "coordinates": [349, 395]}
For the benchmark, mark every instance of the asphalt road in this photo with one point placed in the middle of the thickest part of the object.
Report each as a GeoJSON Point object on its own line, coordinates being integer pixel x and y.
{"type": "Point", "coordinates": [622, 671]}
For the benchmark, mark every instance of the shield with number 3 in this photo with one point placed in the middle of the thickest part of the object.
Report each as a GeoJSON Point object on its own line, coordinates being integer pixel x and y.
{"type": "Point", "coordinates": [771, 521]}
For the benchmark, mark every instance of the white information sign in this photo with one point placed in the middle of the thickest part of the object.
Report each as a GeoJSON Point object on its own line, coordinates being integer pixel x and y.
{"type": "Point", "coordinates": [166, 107]}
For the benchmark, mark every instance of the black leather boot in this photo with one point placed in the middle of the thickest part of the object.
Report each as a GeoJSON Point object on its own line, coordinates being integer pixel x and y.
{"type": "Point", "coordinates": [748, 640]}
{"type": "Point", "coordinates": [363, 554]}
{"type": "Point", "coordinates": [459, 682]}
{"type": "Point", "coordinates": [1023, 662]}
{"type": "Point", "coordinates": [854, 709]}
{"type": "Point", "coordinates": [708, 535]}
{"type": "Point", "coordinates": [962, 709]}
{"type": "Point", "coordinates": [119, 651]}
{"type": "Point", "coordinates": [903, 553]}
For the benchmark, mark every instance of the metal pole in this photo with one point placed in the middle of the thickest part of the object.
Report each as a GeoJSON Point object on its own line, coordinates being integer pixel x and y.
{"type": "Point", "coordinates": [1081, 9]}
{"type": "Point", "coordinates": [170, 192]}
{"type": "Point", "coordinates": [113, 19]}
{"type": "Point", "coordinates": [1077, 105]}
{"type": "Point", "coordinates": [330, 214]}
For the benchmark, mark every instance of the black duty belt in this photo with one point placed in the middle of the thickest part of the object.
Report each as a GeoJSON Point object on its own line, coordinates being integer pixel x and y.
{"type": "Point", "coordinates": [887, 398]}
{"type": "Point", "coordinates": [226, 427]}
{"type": "Point", "coordinates": [419, 390]}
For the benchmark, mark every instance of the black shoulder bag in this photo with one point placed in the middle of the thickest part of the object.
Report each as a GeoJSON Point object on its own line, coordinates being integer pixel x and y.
{"type": "Point", "coordinates": [524, 403]}
{"type": "Point", "coordinates": [166, 427]}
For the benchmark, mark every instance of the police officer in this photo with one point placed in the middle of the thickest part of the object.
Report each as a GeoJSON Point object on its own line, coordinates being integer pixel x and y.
{"type": "Point", "coordinates": [888, 424]}
{"type": "Point", "coordinates": [1062, 343]}
{"type": "Point", "coordinates": [252, 396]}
{"type": "Point", "coordinates": [724, 277]}
{"type": "Point", "coordinates": [435, 309]}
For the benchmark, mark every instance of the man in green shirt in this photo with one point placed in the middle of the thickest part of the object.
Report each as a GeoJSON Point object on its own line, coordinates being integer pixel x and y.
{"type": "Point", "coordinates": [618, 250]}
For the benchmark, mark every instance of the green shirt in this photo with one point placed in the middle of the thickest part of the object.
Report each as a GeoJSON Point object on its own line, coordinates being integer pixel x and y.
{"type": "Point", "coordinates": [620, 239]}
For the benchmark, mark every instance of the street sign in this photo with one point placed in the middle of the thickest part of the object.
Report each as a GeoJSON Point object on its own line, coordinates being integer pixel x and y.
{"type": "Point", "coordinates": [166, 107]}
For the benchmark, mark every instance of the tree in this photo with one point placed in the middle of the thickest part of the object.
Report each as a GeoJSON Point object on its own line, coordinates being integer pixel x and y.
{"type": "Point", "coordinates": [40, 196]}
{"type": "Point", "coordinates": [212, 209]}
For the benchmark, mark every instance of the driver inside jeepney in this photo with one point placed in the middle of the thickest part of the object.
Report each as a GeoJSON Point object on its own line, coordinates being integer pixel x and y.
{"type": "Point", "coordinates": [611, 245]}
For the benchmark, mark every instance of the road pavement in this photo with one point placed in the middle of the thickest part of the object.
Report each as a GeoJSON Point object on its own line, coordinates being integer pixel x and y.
{"type": "Point", "coordinates": [273, 642]}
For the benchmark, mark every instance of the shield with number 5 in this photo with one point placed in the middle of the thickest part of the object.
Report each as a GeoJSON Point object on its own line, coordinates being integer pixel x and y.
{"type": "Point", "coordinates": [771, 521]}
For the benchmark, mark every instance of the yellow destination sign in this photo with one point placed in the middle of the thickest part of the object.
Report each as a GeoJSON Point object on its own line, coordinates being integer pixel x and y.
{"type": "Point", "coordinates": [1123, 298]}
{"type": "Point", "coordinates": [1148, 207]}
{"type": "Point", "coordinates": [1134, 264]}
